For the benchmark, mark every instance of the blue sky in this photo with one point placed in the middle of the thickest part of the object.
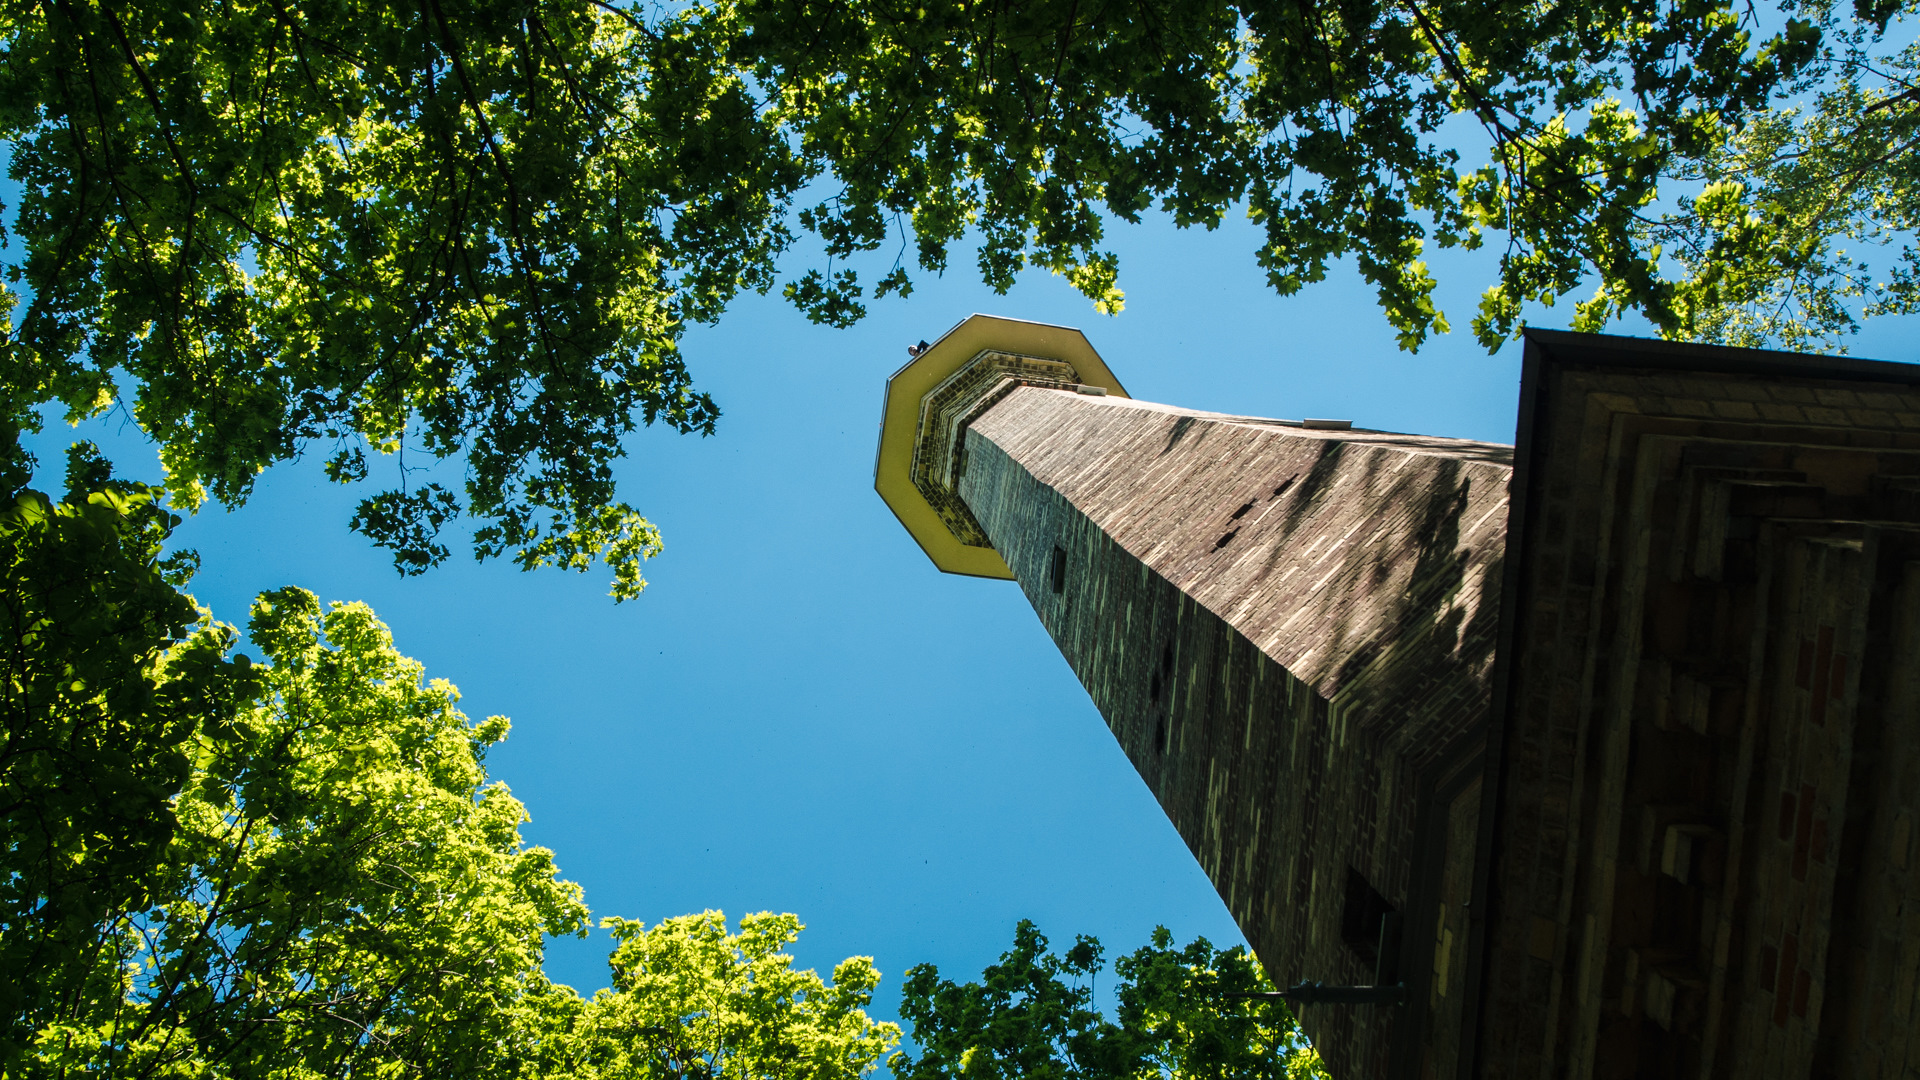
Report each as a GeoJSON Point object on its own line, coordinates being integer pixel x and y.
{"type": "Point", "coordinates": [801, 714]}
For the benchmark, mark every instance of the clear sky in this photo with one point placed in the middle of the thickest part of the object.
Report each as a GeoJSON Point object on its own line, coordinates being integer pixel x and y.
{"type": "Point", "coordinates": [801, 714]}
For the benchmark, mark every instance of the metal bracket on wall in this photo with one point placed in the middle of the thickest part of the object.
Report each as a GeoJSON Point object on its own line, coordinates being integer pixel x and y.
{"type": "Point", "coordinates": [1387, 988]}
{"type": "Point", "coordinates": [1314, 993]}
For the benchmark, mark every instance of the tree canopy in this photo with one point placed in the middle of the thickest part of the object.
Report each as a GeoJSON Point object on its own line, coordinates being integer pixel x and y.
{"type": "Point", "coordinates": [299, 868]}
{"type": "Point", "coordinates": [1034, 1016]}
{"type": "Point", "coordinates": [477, 230]}
{"type": "Point", "coordinates": [1791, 209]}
{"type": "Point", "coordinates": [106, 690]}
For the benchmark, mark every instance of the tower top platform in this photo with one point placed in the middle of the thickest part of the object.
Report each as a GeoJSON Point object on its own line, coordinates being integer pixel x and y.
{"type": "Point", "coordinates": [1030, 353]}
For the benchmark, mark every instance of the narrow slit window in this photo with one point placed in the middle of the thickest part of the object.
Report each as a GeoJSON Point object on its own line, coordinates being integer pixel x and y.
{"type": "Point", "coordinates": [1058, 573]}
{"type": "Point", "coordinates": [1367, 923]}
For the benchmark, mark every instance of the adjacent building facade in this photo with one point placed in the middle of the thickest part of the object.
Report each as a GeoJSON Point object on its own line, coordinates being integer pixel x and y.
{"type": "Point", "coordinates": [1595, 746]}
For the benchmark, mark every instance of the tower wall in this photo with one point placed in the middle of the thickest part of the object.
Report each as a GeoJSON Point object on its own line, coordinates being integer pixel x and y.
{"type": "Point", "coordinates": [1289, 632]}
{"type": "Point", "coordinates": [1634, 770]}
{"type": "Point", "coordinates": [1701, 861]}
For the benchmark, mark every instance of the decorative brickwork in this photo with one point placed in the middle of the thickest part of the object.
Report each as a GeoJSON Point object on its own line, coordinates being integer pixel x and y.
{"type": "Point", "coordinates": [1710, 763]}
{"type": "Point", "coordinates": [939, 454]}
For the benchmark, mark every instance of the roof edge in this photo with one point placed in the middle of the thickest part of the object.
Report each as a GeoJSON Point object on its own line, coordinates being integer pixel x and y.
{"type": "Point", "coordinates": [1619, 350]}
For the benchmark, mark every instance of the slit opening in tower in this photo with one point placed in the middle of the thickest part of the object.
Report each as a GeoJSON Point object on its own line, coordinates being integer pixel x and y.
{"type": "Point", "coordinates": [1369, 926]}
{"type": "Point", "coordinates": [1057, 573]}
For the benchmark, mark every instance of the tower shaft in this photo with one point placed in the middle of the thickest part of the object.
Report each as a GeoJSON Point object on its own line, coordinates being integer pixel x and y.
{"type": "Point", "coordinates": [1289, 632]}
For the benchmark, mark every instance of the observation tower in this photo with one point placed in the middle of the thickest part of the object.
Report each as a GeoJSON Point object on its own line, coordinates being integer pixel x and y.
{"type": "Point", "coordinates": [1593, 756]}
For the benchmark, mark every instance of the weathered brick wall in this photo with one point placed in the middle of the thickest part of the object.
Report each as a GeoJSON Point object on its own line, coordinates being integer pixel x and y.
{"type": "Point", "coordinates": [1701, 860]}
{"type": "Point", "coordinates": [1290, 633]}
{"type": "Point", "coordinates": [1878, 968]}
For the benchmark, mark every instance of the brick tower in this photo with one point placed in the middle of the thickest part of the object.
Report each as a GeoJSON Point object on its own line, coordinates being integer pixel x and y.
{"type": "Point", "coordinates": [1622, 786]}
{"type": "Point", "coordinates": [1251, 604]}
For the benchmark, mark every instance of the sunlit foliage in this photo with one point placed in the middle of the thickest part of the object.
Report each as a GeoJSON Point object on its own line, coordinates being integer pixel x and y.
{"type": "Point", "coordinates": [1035, 1015]}
{"type": "Point", "coordinates": [477, 230]}
{"type": "Point", "coordinates": [299, 867]}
